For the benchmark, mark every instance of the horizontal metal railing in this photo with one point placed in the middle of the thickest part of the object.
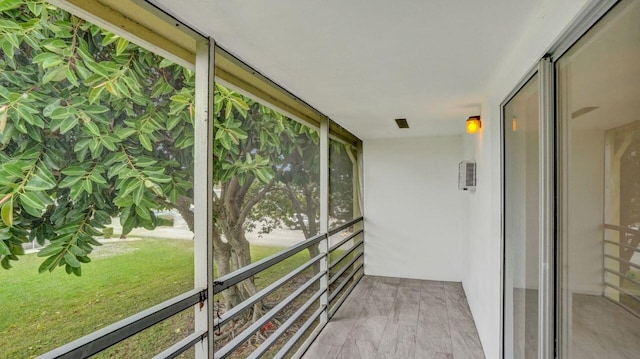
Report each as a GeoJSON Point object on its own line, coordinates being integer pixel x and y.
{"type": "Point", "coordinates": [350, 237]}
{"type": "Point", "coordinates": [235, 311]}
{"type": "Point", "coordinates": [296, 337]}
{"type": "Point", "coordinates": [623, 276]}
{"type": "Point", "coordinates": [180, 347]}
{"type": "Point", "coordinates": [631, 264]}
{"type": "Point", "coordinates": [247, 333]}
{"type": "Point", "coordinates": [341, 290]}
{"type": "Point", "coordinates": [106, 337]}
{"type": "Point", "coordinates": [622, 229]}
{"type": "Point", "coordinates": [616, 284]}
{"type": "Point", "coordinates": [285, 326]}
{"type": "Point", "coordinates": [344, 226]}
{"type": "Point", "coordinates": [252, 269]}
{"type": "Point", "coordinates": [236, 277]}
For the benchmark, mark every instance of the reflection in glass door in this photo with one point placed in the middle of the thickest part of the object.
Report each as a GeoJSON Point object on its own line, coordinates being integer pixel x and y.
{"type": "Point", "coordinates": [521, 219]}
{"type": "Point", "coordinates": [599, 118]}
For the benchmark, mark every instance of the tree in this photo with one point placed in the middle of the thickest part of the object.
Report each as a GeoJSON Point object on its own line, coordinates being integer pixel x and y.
{"type": "Point", "coordinates": [91, 127]}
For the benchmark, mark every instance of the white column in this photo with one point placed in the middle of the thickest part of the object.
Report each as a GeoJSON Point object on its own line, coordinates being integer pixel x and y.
{"type": "Point", "coordinates": [202, 192]}
{"type": "Point", "coordinates": [324, 213]}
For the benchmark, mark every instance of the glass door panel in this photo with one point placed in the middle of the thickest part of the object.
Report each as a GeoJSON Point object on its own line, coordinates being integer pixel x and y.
{"type": "Point", "coordinates": [521, 219]}
{"type": "Point", "coordinates": [599, 107]}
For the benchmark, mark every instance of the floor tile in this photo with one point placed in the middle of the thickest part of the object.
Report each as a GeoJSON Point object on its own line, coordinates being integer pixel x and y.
{"type": "Point", "coordinates": [357, 349]}
{"type": "Point", "coordinates": [397, 318]}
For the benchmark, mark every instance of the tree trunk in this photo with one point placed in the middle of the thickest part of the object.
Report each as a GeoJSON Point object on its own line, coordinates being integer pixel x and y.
{"type": "Point", "coordinates": [241, 250]}
{"type": "Point", "coordinates": [314, 251]}
{"type": "Point", "coordinates": [222, 260]}
{"type": "Point", "coordinates": [184, 208]}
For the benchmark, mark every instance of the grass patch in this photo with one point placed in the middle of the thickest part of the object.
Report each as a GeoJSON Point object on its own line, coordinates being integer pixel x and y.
{"type": "Point", "coordinates": [43, 311]}
{"type": "Point", "coordinates": [40, 312]}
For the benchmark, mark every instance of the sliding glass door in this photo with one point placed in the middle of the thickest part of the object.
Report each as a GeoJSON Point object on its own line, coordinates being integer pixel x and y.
{"type": "Point", "coordinates": [575, 216]}
{"type": "Point", "coordinates": [599, 117]}
{"type": "Point", "coordinates": [521, 233]}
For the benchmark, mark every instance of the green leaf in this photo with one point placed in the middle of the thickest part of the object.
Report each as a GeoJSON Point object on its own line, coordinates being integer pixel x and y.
{"type": "Point", "coordinates": [93, 128]}
{"type": "Point", "coordinates": [56, 75]}
{"type": "Point", "coordinates": [52, 249]}
{"type": "Point", "coordinates": [42, 180]}
{"type": "Point", "coordinates": [67, 124]}
{"type": "Point", "coordinates": [121, 46]}
{"type": "Point", "coordinates": [4, 250]}
{"type": "Point", "coordinates": [138, 195]}
{"type": "Point", "coordinates": [96, 109]}
{"type": "Point", "coordinates": [87, 185]}
{"type": "Point", "coordinates": [14, 169]}
{"type": "Point", "coordinates": [5, 263]}
{"type": "Point", "coordinates": [9, 25]}
{"type": "Point", "coordinates": [145, 141]}
{"type": "Point", "coordinates": [45, 56]}
{"type": "Point", "coordinates": [77, 271]}
{"type": "Point", "coordinates": [123, 133]}
{"type": "Point", "coordinates": [143, 212]}
{"type": "Point", "coordinates": [49, 264]}
{"type": "Point", "coordinates": [7, 213]}
{"type": "Point", "coordinates": [97, 178]}
{"type": "Point", "coordinates": [73, 79]}
{"type": "Point", "coordinates": [75, 171]}
{"type": "Point", "coordinates": [71, 260]}
{"type": "Point", "coordinates": [172, 122]}
{"type": "Point", "coordinates": [3, 118]}
{"type": "Point", "coordinates": [31, 204]}
{"type": "Point", "coordinates": [77, 251]}
{"type": "Point", "coordinates": [94, 94]}
{"type": "Point", "coordinates": [10, 4]}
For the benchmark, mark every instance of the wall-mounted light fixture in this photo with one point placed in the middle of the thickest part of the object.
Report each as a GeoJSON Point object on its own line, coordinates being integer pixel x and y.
{"type": "Point", "coordinates": [473, 124]}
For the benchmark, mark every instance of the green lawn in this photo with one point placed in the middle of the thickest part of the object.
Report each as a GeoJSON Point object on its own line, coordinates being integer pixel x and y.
{"type": "Point", "coordinates": [39, 312]}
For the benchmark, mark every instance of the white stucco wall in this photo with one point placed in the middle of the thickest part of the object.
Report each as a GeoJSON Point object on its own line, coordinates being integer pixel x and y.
{"type": "Point", "coordinates": [415, 215]}
{"type": "Point", "coordinates": [482, 280]}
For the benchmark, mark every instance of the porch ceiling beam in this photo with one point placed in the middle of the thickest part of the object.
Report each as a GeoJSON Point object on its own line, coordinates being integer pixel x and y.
{"type": "Point", "coordinates": [137, 24]}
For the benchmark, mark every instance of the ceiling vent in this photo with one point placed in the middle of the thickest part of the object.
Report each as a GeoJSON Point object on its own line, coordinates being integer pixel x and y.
{"type": "Point", "coordinates": [402, 123]}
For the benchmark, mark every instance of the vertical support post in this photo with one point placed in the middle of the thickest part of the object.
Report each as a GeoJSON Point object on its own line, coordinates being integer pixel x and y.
{"type": "Point", "coordinates": [358, 204]}
{"type": "Point", "coordinates": [324, 216]}
{"type": "Point", "coordinates": [202, 192]}
{"type": "Point", "coordinates": [546, 292]}
{"type": "Point", "coordinates": [611, 213]}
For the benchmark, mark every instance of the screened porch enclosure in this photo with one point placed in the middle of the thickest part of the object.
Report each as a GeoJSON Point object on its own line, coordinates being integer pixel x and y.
{"type": "Point", "coordinates": [201, 179]}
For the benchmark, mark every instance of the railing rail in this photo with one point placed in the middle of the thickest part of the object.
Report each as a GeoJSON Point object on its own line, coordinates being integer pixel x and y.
{"type": "Point", "coordinates": [617, 293]}
{"type": "Point", "coordinates": [235, 311]}
{"type": "Point", "coordinates": [631, 264]}
{"type": "Point", "coordinates": [106, 337]}
{"type": "Point", "coordinates": [636, 249]}
{"type": "Point", "coordinates": [346, 254]}
{"type": "Point", "coordinates": [622, 229]}
{"type": "Point", "coordinates": [345, 226]}
{"type": "Point", "coordinates": [252, 269]}
{"type": "Point", "coordinates": [180, 347]}
{"type": "Point", "coordinates": [342, 242]}
{"type": "Point", "coordinates": [247, 272]}
{"type": "Point", "coordinates": [244, 335]}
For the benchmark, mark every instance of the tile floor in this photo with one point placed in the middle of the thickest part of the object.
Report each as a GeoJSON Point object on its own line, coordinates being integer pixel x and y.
{"type": "Point", "coordinates": [602, 329]}
{"type": "Point", "coordinates": [400, 318]}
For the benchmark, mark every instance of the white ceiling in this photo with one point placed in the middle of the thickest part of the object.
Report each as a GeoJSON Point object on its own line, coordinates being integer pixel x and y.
{"type": "Point", "coordinates": [364, 63]}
